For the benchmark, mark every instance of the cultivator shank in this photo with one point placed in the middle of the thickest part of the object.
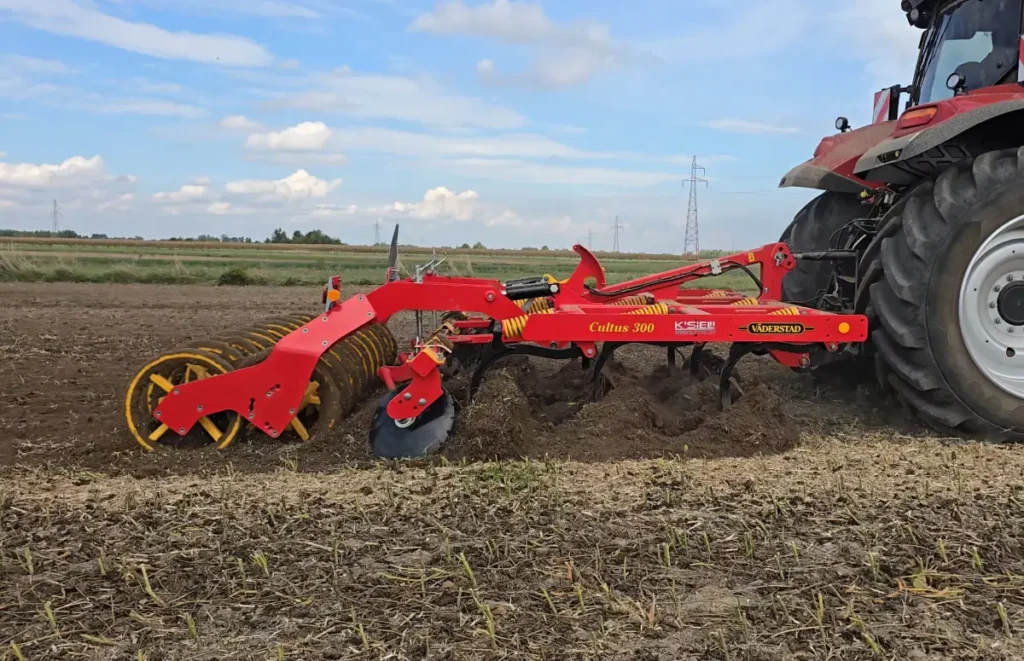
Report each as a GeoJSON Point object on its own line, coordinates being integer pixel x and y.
{"type": "Point", "coordinates": [343, 350]}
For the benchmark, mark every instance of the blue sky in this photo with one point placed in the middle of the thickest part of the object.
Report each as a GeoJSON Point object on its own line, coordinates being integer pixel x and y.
{"type": "Point", "coordinates": [513, 123]}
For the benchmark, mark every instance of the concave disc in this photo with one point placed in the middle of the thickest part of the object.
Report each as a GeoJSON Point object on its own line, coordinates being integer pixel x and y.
{"type": "Point", "coordinates": [424, 436]}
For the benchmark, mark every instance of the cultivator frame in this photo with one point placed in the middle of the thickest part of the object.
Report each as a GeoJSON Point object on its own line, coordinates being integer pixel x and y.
{"type": "Point", "coordinates": [579, 317]}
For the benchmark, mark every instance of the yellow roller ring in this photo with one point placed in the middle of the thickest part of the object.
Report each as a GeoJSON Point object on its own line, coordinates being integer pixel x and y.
{"type": "Point", "coordinates": [389, 346]}
{"type": "Point", "coordinates": [151, 383]}
{"type": "Point", "coordinates": [359, 377]}
{"type": "Point", "coordinates": [360, 349]}
{"type": "Point", "coordinates": [372, 344]}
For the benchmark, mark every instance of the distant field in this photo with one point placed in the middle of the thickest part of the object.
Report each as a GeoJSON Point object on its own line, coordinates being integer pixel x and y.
{"type": "Point", "coordinates": [76, 260]}
{"type": "Point", "coordinates": [163, 247]}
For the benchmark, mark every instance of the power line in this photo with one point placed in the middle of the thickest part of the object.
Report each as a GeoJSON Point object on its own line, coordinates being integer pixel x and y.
{"type": "Point", "coordinates": [615, 238]}
{"type": "Point", "coordinates": [55, 216]}
{"type": "Point", "coordinates": [691, 239]}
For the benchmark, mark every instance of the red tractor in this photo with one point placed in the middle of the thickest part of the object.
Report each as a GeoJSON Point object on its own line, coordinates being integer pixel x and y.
{"type": "Point", "coordinates": [921, 223]}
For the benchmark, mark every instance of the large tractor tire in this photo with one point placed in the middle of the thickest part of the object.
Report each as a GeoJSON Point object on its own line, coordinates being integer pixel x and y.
{"type": "Point", "coordinates": [950, 300]}
{"type": "Point", "coordinates": [812, 229]}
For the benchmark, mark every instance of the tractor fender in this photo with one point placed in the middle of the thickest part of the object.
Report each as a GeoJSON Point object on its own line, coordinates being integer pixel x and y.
{"type": "Point", "coordinates": [809, 175]}
{"type": "Point", "coordinates": [907, 158]}
{"type": "Point", "coordinates": [831, 167]}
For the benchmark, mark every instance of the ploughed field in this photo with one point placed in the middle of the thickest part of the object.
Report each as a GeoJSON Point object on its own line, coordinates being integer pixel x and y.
{"type": "Point", "coordinates": [811, 520]}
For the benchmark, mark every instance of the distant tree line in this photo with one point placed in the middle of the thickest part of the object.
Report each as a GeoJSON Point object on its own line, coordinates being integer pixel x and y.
{"type": "Point", "coordinates": [43, 234]}
{"type": "Point", "coordinates": [209, 238]}
{"type": "Point", "coordinates": [312, 237]}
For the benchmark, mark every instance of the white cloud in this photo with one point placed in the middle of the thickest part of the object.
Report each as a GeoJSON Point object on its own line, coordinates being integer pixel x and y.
{"type": "Point", "coordinates": [307, 136]}
{"type": "Point", "coordinates": [513, 22]}
{"type": "Point", "coordinates": [158, 87]}
{"type": "Point", "coordinates": [730, 125]}
{"type": "Point", "coordinates": [34, 64]}
{"type": "Point", "coordinates": [334, 210]}
{"type": "Point", "coordinates": [76, 168]}
{"type": "Point", "coordinates": [511, 145]}
{"type": "Point", "coordinates": [745, 31]}
{"type": "Point", "coordinates": [297, 158]}
{"type": "Point", "coordinates": [567, 55]}
{"type": "Point", "coordinates": [69, 18]}
{"type": "Point", "coordinates": [7, 204]}
{"type": "Point", "coordinates": [72, 98]}
{"type": "Point", "coordinates": [187, 193]}
{"type": "Point", "coordinates": [220, 208]}
{"type": "Point", "coordinates": [275, 9]}
{"type": "Point", "coordinates": [439, 203]}
{"type": "Point", "coordinates": [877, 33]}
{"type": "Point", "coordinates": [552, 70]}
{"type": "Point", "coordinates": [264, 8]}
{"type": "Point", "coordinates": [506, 157]}
{"type": "Point", "coordinates": [239, 123]}
{"type": "Point", "coordinates": [121, 202]}
{"type": "Point", "coordinates": [81, 184]}
{"type": "Point", "coordinates": [135, 106]}
{"type": "Point", "coordinates": [300, 184]}
{"type": "Point", "coordinates": [420, 100]}
{"type": "Point", "coordinates": [543, 173]}
{"type": "Point", "coordinates": [485, 68]}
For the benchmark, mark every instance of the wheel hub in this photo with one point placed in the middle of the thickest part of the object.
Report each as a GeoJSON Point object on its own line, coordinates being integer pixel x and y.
{"type": "Point", "coordinates": [992, 307]}
{"type": "Point", "coordinates": [1010, 304]}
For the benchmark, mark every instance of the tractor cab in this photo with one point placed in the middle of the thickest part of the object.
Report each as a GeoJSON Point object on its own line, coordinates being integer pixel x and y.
{"type": "Point", "coordinates": [967, 45]}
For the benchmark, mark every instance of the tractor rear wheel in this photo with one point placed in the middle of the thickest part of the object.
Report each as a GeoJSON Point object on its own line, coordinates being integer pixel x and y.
{"type": "Point", "coordinates": [812, 229]}
{"type": "Point", "coordinates": [950, 301]}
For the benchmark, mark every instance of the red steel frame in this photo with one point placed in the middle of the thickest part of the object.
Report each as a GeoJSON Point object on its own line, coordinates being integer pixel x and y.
{"type": "Point", "coordinates": [268, 394]}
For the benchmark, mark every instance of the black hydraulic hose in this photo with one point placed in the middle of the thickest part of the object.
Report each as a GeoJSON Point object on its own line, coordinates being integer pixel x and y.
{"type": "Point", "coordinates": [662, 281]}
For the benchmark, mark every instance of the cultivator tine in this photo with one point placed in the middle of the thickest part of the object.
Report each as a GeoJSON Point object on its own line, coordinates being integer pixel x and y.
{"type": "Point", "coordinates": [695, 357]}
{"type": "Point", "coordinates": [727, 383]}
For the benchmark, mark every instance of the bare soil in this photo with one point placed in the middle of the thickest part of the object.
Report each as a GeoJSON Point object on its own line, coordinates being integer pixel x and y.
{"type": "Point", "coordinates": [811, 520]}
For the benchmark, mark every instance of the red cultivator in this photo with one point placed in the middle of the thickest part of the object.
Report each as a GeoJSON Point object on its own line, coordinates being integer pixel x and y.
{"type": "Point", "coordinates": [579, 317]}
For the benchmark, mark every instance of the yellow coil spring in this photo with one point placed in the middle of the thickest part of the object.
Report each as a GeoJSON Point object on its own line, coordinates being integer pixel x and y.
{"type": "Point", "coordinates": [512, 328]}
{"type": "Point", "coordinates": [657, 308]}
{"type": "Point", "coordinates": [748, 301]}
{"type": "Point", "coordinates": [537, 305]}
{"type": "Point", "coordinates": [786, 312]}
{"type": "Point", "coordinates": [637, 299]}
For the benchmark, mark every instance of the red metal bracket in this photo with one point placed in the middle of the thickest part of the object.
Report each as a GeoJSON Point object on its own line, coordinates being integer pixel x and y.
{"type": "Point", "coordinates": [267, 394]}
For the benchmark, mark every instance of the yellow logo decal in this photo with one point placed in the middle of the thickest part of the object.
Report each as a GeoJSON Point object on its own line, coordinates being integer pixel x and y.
{"type": "Point", "coordinates": [776, 329]}
{"type": "Point", "coordinates": [608, 327]}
